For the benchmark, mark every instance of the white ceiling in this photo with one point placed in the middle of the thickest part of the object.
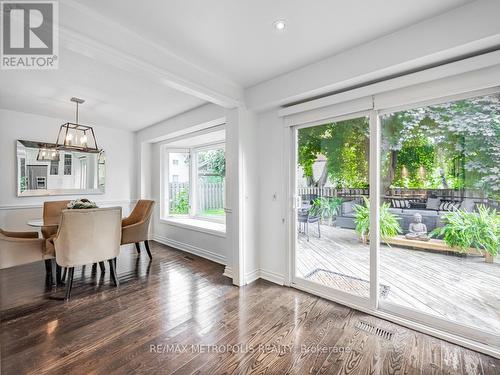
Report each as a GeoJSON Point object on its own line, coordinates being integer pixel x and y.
{"type": "Point", "coordinates": [236, 38]}
{"type": "Point", "coordinates": [114, 98]}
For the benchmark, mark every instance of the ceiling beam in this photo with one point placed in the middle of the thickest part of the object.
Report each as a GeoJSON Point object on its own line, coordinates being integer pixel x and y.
{"type": "Point", "coordinates": [84, 31]}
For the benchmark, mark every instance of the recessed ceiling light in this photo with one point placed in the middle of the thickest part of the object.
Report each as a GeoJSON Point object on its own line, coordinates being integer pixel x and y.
{"type": "Point", "coordinates": [279, 25]}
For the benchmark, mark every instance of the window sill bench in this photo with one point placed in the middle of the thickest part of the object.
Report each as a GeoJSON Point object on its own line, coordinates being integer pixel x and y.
{"type": "Point", "coordinates": [209, 227]}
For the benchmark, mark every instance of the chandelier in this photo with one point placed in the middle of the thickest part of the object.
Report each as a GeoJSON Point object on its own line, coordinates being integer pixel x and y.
{"type": "Point", "coordinates": [47, 153]}
{"type": "Point", "coordinates": [76, 137]}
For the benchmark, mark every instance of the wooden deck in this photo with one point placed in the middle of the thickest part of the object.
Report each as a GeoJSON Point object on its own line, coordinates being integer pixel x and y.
{"type": "Point", "coordinates": [456, 287]}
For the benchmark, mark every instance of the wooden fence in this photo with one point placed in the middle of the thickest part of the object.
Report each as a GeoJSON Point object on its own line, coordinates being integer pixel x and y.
{"type": "Point", "coordinates": [210, 195]}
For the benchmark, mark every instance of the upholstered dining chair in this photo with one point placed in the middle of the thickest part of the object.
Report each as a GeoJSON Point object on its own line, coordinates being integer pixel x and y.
{"type": "Point", "coordinates": [135, 227]}
{"type": "Point", "coordinates": [88, 236]}
{"type": "Point", "coordinates": [17, 248]}
{"type": "Point", "coordinates": [52, 215]}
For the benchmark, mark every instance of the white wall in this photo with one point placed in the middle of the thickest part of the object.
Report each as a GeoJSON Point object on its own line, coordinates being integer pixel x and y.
{"type": "Point", "coordinates": [272, 181]}
{"type": "Point", "coordinates": [238, 249]}
{"type": "Point", "coordinates": [119, 146]}
{"type": "Point", "coordinates": [204, 244]}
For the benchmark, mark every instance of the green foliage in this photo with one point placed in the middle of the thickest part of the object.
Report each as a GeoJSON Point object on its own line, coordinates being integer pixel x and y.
{"type": "Point", "coordinates": [464, 136]}
{"type": "Point", "coordinates": [389, 225]}
{"type": "Point", "coordinates": [213, 162]}
{"type": "Point", "coordinates": [416, 159]}
{"type": "Point", "coordinates": [345, 146]}
{"type": "Point", "coordinates": [23, 182]}
{"type": "Point", "coordinates": [480, 230]}
{"type": "Point", "coordinates": [326, 207]}
{"type": "Point", "coordinates": [213, 212]}
{"type": "Point", "coordinates": [180, 205]}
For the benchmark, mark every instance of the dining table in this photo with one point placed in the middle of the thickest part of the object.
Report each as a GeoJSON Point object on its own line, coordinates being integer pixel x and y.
{"type": "Point", "coordinates": [38, 223]}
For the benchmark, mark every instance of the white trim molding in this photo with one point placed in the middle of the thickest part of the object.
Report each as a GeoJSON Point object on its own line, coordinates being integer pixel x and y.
{"type": "Point", "coordinates": [40, 205]}
{"type": "Point", "coordinates": [214, 257]}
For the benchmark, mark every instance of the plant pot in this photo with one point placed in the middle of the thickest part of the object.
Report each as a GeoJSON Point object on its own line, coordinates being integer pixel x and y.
{"type": "Point", "coordinates": [488, 258]}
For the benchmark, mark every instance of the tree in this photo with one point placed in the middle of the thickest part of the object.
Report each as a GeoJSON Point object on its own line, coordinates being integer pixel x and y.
{"type": "Point", "coordinates": [467, 133]}
{"type": "Point", "coordinates": [345, 145]}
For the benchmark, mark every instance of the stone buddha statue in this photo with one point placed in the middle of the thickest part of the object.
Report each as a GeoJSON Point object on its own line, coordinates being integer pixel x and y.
{"type": "Point", "coordinates": [417, 230]}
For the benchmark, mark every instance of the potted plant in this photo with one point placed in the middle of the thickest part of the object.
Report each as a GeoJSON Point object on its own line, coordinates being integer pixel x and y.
{"type": "Point", "coordinates": [389, 224]}
{"type": "Point", "coordinates": [465, 230]}
{"type": "Point", "coordinates": [326, 208]}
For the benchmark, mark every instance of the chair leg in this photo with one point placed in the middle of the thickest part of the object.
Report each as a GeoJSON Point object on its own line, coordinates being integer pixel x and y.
{"type": "Point", "coordinates": [48, 271]}
{"type": "Point", "coordinates": [306, 226]}
{"type": "Point", "coordinates": [58, 274]}
{"type": "Point", "coordinates": [69, 284]}
{"type": "Point", "coordinates": [102, 267]}
{"type": "Point", "coordinates": [138, 247]}
{"type": "Point", "coordinates": [63, 277]}
{"type": "Point", "coordinates": [319, 231]}
{"type": "Point", "coordinates": [146, 243]}
{"type": "Point", "coordinates": [112, 266]}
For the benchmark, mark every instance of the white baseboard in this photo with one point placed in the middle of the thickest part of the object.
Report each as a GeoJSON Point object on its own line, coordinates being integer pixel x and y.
{"type": "Point", "coordinates": [272, 277]}
{"type": "Point", "coordinates": [228, 272]}
{"type": "Point", "coordinates": [214, 257]}
{"type": "Point", "coordinates": [250, 277]}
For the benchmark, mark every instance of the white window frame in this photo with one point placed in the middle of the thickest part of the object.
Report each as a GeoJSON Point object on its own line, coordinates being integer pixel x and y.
{"type": "Point", "coordinates": [193, 181]}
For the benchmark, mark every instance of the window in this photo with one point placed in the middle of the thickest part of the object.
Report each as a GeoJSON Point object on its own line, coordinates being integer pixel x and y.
{"type": "Point", "coordinates": [68, 161]}
{"type": "Point", "coordinates": [54, 167]}
{"type": "Point", "coordinates": [210, 183]}
{"type": "Point", "coordinates": [195, 186]}
{"type": "Point", "coordinates": [178, 183]}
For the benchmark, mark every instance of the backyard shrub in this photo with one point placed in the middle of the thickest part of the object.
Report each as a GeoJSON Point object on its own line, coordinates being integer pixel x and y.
{"type": "Point", "coordinates": [389, 224]}
{"type": "Point", "coordinates": [480, 230]}
{"type": "Point", "coordinates": [180, 205]}
{"type": "Point", "coordinates": [326, 208]}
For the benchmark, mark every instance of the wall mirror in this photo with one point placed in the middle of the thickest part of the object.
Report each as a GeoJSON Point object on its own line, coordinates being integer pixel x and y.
{"type": "Point", "coordinates": [43, 171]}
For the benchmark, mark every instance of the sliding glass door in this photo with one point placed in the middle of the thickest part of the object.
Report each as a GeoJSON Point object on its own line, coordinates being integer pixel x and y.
{"type": "Point", "coordinates": [440, 186]}
{"type": "Point", "coordinates": [331, 189]}
{"type": "Point", "coordinates": [435, 198]}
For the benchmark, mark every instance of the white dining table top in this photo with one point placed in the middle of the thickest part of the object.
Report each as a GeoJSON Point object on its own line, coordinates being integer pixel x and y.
{"type": "Point", "coordinates": [39, 223]}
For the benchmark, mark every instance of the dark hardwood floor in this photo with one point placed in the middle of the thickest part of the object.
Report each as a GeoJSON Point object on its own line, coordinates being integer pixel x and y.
{"type": "Point", "coordinates": [178, 314]}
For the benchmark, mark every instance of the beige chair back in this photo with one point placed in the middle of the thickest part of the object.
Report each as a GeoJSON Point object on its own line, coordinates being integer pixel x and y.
{"type": "Point", "coordinates": [17, 248]}
{"type": "Point", "coordinates": [52, 215]}
{"type": "Point", "coordinates": [88, 236]}
{"type": "Point", "coordinates": [136, 226]}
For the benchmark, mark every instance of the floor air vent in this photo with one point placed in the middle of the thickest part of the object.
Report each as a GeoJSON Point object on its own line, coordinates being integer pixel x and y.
{"type": "Point", "coordinates": [370, 328]}
{"type": "Point", "coordinates": [187, 257]}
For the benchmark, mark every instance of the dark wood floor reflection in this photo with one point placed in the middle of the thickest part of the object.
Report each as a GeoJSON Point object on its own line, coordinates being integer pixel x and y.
{"type": "Point", "coordinates": [178, 314]}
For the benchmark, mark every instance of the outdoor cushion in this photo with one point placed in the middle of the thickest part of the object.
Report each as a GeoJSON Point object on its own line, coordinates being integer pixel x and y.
{"type": "Point", "coordinates": [421, 212]}
{"type": "Point", "coordinates": [433, 203]}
